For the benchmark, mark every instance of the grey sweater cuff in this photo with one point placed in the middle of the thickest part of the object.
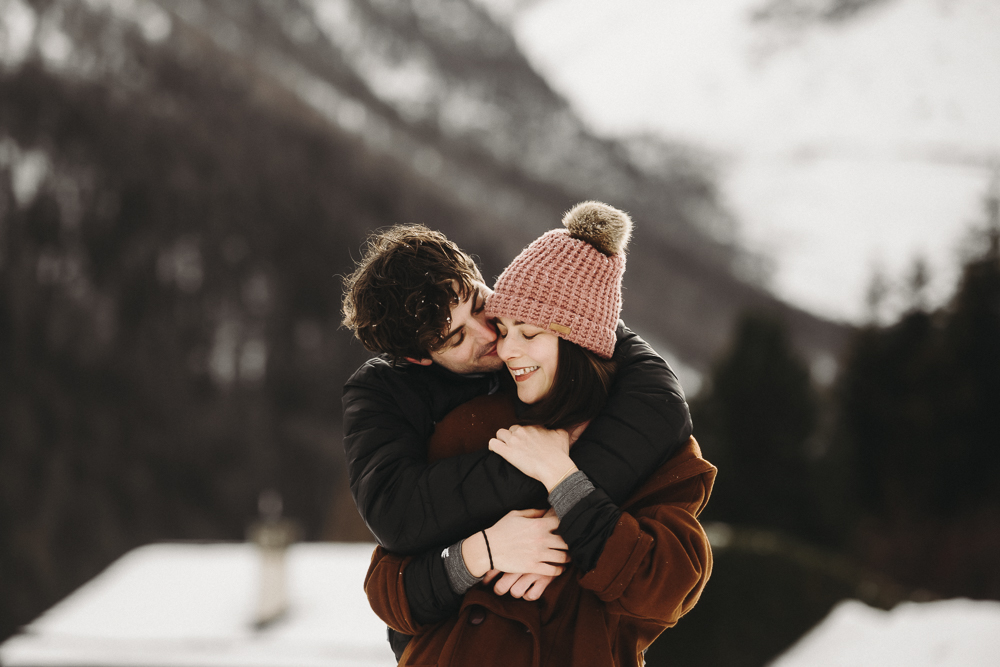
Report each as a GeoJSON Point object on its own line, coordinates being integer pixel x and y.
{"type": "Point", "coordinates": [459, 576]}
{"type": "Point", "coordinates": [570, 491]}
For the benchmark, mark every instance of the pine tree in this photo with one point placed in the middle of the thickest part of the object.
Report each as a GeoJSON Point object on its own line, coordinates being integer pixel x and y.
{"type": "Point", "coordinates": [754, 423]}
{"type": "Point", "coordinates": [918, 431]}
{"type": "Point", "coordinates": [973, 337]}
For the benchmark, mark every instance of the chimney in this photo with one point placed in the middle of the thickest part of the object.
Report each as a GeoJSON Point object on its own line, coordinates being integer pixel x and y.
{"type": "Point", "coordinates": [272, 534]}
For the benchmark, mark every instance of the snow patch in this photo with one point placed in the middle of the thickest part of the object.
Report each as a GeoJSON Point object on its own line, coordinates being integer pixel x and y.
{"type": "Point", "coordinates": [192, 604]}
{"type": "Point", "coordinates": [945, 633]}
{"type": "Point", "coordinates": [29, 169]}
{"type": "Point", "coordinates": [17, 29]}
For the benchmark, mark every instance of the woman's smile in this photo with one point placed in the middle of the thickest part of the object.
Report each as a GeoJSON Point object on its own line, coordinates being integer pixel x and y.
{"type": "Point", "coordinates": [522, 374]}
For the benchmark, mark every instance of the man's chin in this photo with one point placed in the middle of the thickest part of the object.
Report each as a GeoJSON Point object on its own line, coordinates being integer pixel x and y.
{"type": "Point", "coordinates": [490, 363]}
{"type": "Point", "coordinates": [484, 364]}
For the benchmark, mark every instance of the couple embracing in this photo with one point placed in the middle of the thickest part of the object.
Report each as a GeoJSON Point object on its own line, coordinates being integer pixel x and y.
{"type": "Point", "coordinates": [524, 460]}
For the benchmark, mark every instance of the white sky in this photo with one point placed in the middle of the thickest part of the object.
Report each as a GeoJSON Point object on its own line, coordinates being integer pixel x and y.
{"type": "Point", "coordinates": [842, 147]}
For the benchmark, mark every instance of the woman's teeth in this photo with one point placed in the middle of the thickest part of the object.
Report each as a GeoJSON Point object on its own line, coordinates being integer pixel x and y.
{"type": "Point", "coordinates": [522, 371]}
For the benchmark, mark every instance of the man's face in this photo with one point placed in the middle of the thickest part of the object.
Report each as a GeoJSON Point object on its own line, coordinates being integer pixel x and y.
{"type": "Point", "coordinates": [471, 343]}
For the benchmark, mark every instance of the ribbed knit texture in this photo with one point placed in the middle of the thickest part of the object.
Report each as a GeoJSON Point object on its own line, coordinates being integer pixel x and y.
{"type": "Point", "coordinates": [570, 491]}
{"type": "Point", "coordinates": [567, 282]}
{"type": "Point", "coordinates": [459, 577]}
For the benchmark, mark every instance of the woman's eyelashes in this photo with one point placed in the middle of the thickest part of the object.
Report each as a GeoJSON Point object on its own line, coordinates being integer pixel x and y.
{"type": "Point", "coordinates": [503, 334]}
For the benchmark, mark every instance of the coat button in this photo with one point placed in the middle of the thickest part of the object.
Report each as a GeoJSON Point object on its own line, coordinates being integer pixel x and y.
{"type": "Point", "coordinates": [477, 615]}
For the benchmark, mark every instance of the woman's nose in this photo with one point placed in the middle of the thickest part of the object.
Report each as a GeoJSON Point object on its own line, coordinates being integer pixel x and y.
{"type": "Point", "coordinates": [506, 349]}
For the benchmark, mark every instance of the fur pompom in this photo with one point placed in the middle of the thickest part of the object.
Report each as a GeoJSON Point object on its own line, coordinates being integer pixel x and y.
{"type": "Point", "coordinates": [602, 226]}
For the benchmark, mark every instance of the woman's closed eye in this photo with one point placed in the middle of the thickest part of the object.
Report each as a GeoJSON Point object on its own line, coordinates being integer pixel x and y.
{"type": "Point", "coordinates": [503, 334]}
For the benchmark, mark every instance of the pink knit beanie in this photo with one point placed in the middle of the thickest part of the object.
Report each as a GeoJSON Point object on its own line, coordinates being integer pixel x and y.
{"type": "Point", "coordinates": [569, 281]}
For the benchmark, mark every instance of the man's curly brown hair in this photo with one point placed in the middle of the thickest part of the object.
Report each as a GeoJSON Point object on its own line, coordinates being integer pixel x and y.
{"type": "Point", "coordinates": [398, 299]}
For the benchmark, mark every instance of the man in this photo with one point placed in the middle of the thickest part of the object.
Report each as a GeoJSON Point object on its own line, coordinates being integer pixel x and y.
{"type": "Point", "coordinates": [418, 301]}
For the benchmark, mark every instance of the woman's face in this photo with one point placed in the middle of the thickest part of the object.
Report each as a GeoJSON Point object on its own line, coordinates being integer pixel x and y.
{"type": "Point", "coordinates": [531, 354]}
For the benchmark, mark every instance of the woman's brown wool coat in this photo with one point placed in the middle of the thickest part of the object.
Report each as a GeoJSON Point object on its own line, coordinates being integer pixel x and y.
{"type": "Point", "coordinates": [651, 572]}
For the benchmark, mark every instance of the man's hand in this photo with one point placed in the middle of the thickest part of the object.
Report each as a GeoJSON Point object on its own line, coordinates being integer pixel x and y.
{"type": "Point", "coordinates": [527, 586]}
{"type": "Point", "coordinates": [522, 541]}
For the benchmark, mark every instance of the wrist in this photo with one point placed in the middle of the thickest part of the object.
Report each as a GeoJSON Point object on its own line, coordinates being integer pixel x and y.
{"type": "Point", "coordinates": [558, 473]}
{"type": "Point", "coordinates": [474, 553]}
{"type": "Point", "coordinates": [459, 577]}
{"type": "Point", "coordinates": [569, 492]}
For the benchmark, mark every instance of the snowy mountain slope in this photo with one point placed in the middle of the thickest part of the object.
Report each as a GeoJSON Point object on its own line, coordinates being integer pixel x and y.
{"type": "Point", "coordinates": [852, 136]}
{"type": "Point", "coordinates": [442, 89]}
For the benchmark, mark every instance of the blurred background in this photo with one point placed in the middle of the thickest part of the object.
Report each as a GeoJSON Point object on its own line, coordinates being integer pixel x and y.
{"type": "Point", "coordinates": [817, 251]}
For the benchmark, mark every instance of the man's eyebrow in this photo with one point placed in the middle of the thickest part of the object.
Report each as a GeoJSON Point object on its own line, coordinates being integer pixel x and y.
{"type": "Point", "coordinates": [444, 341]}
{"type": "Point", "coordinates": [476, 296]}
{"type": "Point", "coordinates": [478, 300]}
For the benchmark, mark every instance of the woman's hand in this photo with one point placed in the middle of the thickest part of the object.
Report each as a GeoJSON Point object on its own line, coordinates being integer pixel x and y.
{"type": "Point", "coordinates": [522, 542]}
{"type": "Point", "coordinates": [537, 452]}
{"type": "Point", "coordinates": [526, 586]}
{"type": "Point", "coordinates": [576, 431]}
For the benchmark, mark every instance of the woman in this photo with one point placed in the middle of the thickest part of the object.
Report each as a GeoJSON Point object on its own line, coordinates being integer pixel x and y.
{"type": "Point", "coordinates": [632, 571]}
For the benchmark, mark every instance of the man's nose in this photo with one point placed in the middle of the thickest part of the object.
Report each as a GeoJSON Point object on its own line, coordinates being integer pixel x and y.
{"type": "Point", "coordinates": [485, 328]}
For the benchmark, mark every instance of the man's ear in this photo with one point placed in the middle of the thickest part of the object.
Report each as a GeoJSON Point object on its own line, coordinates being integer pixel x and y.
{"type": "Point", "coordinates": [421, 362]}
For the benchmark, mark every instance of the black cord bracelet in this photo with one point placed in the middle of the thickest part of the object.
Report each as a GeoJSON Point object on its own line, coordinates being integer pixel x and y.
{"type": "Point", "coordinates": [488, 551]}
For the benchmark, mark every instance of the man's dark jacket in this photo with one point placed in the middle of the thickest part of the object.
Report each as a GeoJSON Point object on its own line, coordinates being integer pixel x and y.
{"type": "Point", "coordinates": [411, 505]}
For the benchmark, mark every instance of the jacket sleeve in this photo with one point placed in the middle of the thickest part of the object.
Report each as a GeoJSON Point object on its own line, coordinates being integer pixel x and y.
{"type": "Point", "coordinates": [386, 591]}
{"type": "Point", "coordinates": [656, 561]}
{"type": "Point", "coordinates": [410, 593]}
{"type": "Point", "coordinates": [587, 527]}
{"type": "Point", "coordinates": [411, 505]}
{"type": "Point", "coordinates": [645, 420]}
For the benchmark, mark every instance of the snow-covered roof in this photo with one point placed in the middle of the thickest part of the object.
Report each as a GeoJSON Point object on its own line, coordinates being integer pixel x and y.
{"type": "Point", "coordinates": [945, 633]}
{"type": "Point", "coordinates": [174, 605]}
{"type": "Point", "coordinates": [192, 604]}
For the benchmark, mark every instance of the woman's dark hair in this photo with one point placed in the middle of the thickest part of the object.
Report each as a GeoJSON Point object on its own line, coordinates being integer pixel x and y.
{"type": "Point", "coordinates": [579, 389]}
{"type": "Point", "coordinates": [398, 299]}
